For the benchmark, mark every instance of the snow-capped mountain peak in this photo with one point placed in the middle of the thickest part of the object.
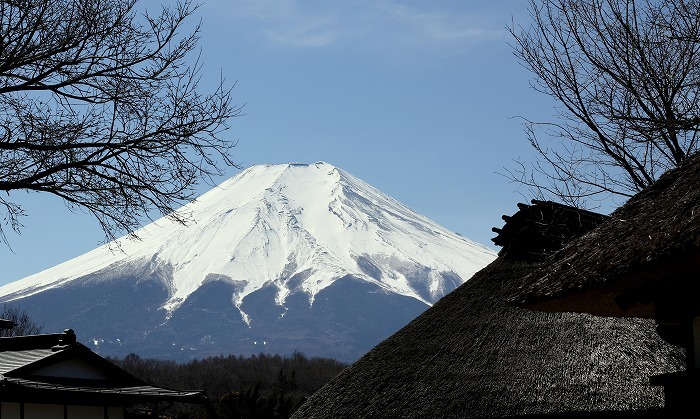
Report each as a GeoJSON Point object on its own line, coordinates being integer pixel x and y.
{"type": "Point", "coordinates": [291, 228]}
{"type": "Point", "coordinates": [271, 223]}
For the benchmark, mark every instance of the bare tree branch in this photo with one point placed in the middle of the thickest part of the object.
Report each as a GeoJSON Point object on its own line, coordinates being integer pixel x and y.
{"type": "Point", "coordinates": [627, 76]}
{"type": "Point", "coordinates": [101, 106]}
{"type": "Point", "coordinates": [23, 324]}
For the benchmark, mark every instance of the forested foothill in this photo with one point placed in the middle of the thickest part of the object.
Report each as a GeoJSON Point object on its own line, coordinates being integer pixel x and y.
{"type": "Point", "coordinates": [259, 386]}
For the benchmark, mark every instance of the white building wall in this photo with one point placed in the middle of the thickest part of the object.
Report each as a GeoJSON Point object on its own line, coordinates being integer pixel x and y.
{"type": "Point", "coordinates": [9, 410]}
{"type": "Point", "coordinates": [42, 411]}
{"type": "Point", "coordinates": [73, 368]}
{"type": "Point", "coordinates": [115, 413]}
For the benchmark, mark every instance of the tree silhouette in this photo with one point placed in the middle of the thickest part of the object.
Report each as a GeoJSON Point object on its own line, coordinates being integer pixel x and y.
{"type": "Point", "coordinates": [100, 105]}
{"type": "Point", "coordinates": [23, 324]}
{"type": "Point", "coordinates": [626, 75]}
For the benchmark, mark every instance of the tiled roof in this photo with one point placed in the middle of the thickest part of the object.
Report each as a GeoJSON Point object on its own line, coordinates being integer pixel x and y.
{"type": "Point", "coordinates": [11, 360]}
{"type": "Point", "coordinates": [23, 357]}
{"type": "Point", "coordinates": [144, 392]}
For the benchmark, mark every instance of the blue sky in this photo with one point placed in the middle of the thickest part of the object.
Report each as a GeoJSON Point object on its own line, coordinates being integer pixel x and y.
{"type": "Point", "coordinates": [419, 99]}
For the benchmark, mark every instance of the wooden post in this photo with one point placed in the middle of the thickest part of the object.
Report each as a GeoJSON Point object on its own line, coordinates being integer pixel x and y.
{"type": "Point", "coordinates": [696, 342]}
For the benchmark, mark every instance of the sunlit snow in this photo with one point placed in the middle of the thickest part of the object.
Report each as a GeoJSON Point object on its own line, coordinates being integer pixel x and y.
{"type": "Point", "coordinates": [272, 222]}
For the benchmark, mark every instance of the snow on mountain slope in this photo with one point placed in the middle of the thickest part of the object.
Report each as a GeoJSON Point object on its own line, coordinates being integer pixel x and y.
{"type": "Point", "coordinates": [271, 223]}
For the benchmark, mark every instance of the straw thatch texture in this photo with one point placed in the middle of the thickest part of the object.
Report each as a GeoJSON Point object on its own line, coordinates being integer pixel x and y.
{"type": "Point", "coordinates": [472, 355]}
{"type": "Point", "coordinates": [654, 237]}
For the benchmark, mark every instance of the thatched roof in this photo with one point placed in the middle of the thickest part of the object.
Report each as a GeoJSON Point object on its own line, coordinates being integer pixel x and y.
{"type": "Point", "coordinates": [472, 355]}
{"type": "Point", "coordinates": [652, 241]}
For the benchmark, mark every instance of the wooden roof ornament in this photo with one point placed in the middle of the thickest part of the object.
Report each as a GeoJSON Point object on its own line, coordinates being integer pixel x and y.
{"type": "Point", "coordinates": [542, 228]}
{"type": "Point", "coordinates": [41, 371]}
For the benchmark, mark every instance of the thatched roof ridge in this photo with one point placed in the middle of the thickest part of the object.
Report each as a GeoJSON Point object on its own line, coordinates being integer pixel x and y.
{"type": "Point", "coordinates": [655, 234]}
{"type": "Point", "coordinates": [472, 355]}
{"type": "Point", "coordinates": [542, 228]}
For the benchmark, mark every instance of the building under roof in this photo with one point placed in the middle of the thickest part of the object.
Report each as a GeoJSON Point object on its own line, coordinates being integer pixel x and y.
{"type": "Point", "coordinates": [535, 337]}
{"type": "Point", "coordinates": [54, 376]}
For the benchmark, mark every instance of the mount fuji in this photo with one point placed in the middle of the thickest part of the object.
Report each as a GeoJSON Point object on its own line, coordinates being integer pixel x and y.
{"type": "Point", "coordinates": [278, 259]}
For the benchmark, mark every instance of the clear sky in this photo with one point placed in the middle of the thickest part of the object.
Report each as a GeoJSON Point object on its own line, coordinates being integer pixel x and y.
{"type": "Point", "coordinates": [420, 99]}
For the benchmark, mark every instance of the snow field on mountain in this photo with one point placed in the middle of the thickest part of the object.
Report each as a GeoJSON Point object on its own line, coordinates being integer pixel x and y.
{"type": "Point", "coordinates": [270, 222]}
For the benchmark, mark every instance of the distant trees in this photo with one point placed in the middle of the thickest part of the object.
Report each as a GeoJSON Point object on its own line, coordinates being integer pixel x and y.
{"type": "Point", "coordinates": [100, 105]}
{"type": "Point", "coordinates": [626, 74]}
{"type": "Point", "coordinates": [260, 386]}
{"type": "Point", "coordinates": [24, 325]}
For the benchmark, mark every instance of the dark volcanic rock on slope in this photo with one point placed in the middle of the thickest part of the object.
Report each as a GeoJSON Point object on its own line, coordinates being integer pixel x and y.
{"type": "Point", "coordinates": [118, 317]}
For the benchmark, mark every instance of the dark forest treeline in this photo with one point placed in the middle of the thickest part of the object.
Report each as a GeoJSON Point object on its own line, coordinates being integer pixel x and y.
{"type": "Point", "coordinates": [260, 386]}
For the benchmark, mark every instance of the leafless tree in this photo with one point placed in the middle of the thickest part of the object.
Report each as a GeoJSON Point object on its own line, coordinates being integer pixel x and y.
{"type": "Point", "coordinates": [626, 77]}
{"type": "Point", "coordinates": [101, 105]}
{"type": "Point", "coordinates": [23, 324]}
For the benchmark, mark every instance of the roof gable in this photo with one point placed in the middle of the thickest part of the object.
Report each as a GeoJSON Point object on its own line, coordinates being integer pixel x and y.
{"type": "Point", "coordinates": [55, 368]}
{"type": "Point", "coordinates": [73, 362]}
{"type": "Point", "coordinates": [72, 368]}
